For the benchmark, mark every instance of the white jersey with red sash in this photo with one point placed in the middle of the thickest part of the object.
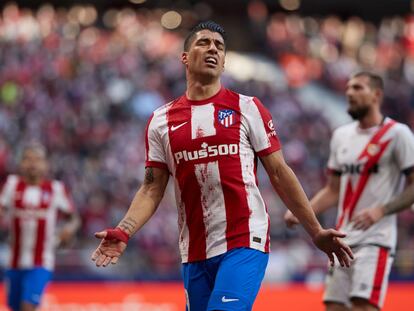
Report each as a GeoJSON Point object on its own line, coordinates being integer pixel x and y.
{"type": "Point", "coordinates": [211, 147]}
{"type": "Point", "coordinates": [370, 162]}
{"type": "Point", "coordinates": [33, 211]}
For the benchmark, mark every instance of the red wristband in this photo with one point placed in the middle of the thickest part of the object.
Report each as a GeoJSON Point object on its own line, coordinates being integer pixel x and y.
{"type": "Point", "coordinates": [117, 234]}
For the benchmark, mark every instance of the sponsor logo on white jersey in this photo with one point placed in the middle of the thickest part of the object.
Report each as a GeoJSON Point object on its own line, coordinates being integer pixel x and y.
{"type": "Point", "coordinates": [359, 168]}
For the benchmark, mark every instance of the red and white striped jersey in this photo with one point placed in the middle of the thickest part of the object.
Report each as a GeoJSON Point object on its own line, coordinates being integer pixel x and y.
{"type": "Point", "coordinates": [32, 210]}
{"type": "Point", "coordinates": [371, 162]}
{"type": "Point", "coordinates": [210, 147]}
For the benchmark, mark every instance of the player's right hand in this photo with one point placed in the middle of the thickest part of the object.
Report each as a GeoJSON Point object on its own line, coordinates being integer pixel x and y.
{"type": "Point", "coordinates": [290, 219]}
{"type": "Point", "coordinates": [109, 250]}
{"type": "Point", "coordinates": [329, 241]}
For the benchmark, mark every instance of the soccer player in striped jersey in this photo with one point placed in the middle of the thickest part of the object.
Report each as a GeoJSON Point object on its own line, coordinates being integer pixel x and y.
{"type": "Point", "coordinates": [368, 161]}
{"type": "Point", "coordinates": [209, 140]}
{"type": "Point", "coordinates": [32, 203]}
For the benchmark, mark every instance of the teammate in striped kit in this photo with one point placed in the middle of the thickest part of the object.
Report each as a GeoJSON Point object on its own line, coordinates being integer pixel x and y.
{"type": "Point", "coordinates": [367, 163]}
{"type": "Point", "coordinates": [32, 203]}
{"type": "Point", "coordinates": [209, 140]}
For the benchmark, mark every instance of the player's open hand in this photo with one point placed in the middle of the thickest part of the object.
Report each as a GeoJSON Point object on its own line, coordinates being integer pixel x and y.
{"type": "Point", "coordinates": [328, 241]}
{"type": "Point", "coordinates": [367, 217]}
{"type": "Point", "coordinates": [109, 250]}
{"type": "Point", "coordinates": [290, 219]}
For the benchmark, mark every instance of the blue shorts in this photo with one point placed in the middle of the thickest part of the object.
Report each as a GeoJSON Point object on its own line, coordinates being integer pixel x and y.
{"type": "Point", "coordinates": [25, 285]}
{"type": "Point", "coordinates": [229, 281]}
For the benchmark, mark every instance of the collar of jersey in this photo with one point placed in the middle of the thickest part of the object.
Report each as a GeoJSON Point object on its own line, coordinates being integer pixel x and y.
{"type": "Point", "coordinates": [203, 101]}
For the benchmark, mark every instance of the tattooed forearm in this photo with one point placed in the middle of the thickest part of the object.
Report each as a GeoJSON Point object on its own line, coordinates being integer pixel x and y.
{"type": "Point", "coordinates": [403, 201]}
{"type": "Point", "coordinates": [128, 225]}
{"type": "Point", "coordinates": [149, 175]}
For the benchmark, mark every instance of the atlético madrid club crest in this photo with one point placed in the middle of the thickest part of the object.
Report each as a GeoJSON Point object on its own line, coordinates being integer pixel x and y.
{"type": "Point", "coordinates": [226, 117]}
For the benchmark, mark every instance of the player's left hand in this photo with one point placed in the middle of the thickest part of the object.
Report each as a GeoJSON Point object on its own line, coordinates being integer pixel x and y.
{"type": "Point", "coordinates": [366, 218]}
{"type": "Point", "coordinates": [328, 241]}
{"type": "Point", "coordinates": [112, 245]}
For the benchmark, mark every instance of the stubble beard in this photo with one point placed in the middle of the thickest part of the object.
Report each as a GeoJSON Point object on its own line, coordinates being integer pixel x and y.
{"type": "Point", "coordinates": [207, 76]}
{"type": "Point", "coordinates": [359, 113]}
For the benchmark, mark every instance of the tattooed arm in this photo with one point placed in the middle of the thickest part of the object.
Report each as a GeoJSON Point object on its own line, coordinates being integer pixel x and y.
{"type": "Point", "coordinates": [404, 200]}
{"type": "Point", "coordinates": [368, 217]}
{"type": "Point", "coordinates": [142, 207]}
{"type": "Point", "coordinates": [146, 200]}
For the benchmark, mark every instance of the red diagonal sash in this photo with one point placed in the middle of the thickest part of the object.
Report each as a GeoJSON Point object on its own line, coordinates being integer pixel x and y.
{"type": "Point", "coordinates": [373, 157]}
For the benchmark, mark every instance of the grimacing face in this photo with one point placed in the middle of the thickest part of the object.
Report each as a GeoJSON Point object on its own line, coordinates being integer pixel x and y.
{"type": "Point", "coordinates": [33, 164]}
{"type": "Point", "coordinates": [361, 97]}
{"type": "Point", "coordinates": [206, 54]}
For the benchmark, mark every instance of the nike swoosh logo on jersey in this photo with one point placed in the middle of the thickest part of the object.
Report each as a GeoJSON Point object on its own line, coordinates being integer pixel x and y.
{"type": "Point", "coordinates": [173, 128]}
{"type": "Point", "coordinates": [224, 299]}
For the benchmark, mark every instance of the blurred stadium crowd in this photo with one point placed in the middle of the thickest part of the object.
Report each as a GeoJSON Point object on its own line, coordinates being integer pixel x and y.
{"type": "Point", "coordinates": [84, 85]}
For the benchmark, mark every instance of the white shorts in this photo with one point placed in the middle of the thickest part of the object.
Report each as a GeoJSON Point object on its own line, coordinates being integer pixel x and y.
{"type": "Point", "coordinates": [367, 277]}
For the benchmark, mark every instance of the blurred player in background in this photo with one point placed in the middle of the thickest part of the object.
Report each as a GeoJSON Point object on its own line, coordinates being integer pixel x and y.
{"type": "Point", "coordinates": [209, 140]}
{"type": "Point", "coordinates": [367, 162]}
{"type": "Point", "coordinates": [32, 203]}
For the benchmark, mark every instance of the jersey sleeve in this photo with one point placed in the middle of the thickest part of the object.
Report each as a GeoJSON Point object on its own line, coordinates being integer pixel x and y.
{"type": "Point", "coordinates": [404, 148]}
{"type": "Point", "coordinates": [154, 151]}
{"type": "Point", "coordinates": [62, 198]}
{"type": "Point", "coordinates": [333, 164]}
{"type": "Point", "coordinates": [6, 193]}
{"type": "Point", "coordinates": [261, 129]}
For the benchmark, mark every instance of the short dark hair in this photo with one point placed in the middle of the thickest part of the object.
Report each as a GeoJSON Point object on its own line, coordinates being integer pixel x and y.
{"type": "Point", "coordinates": [209, 25]}
{"type": "Point", "coordinates": [34, 145]}
{"type": "Point", "coordinates": [375, 80]}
